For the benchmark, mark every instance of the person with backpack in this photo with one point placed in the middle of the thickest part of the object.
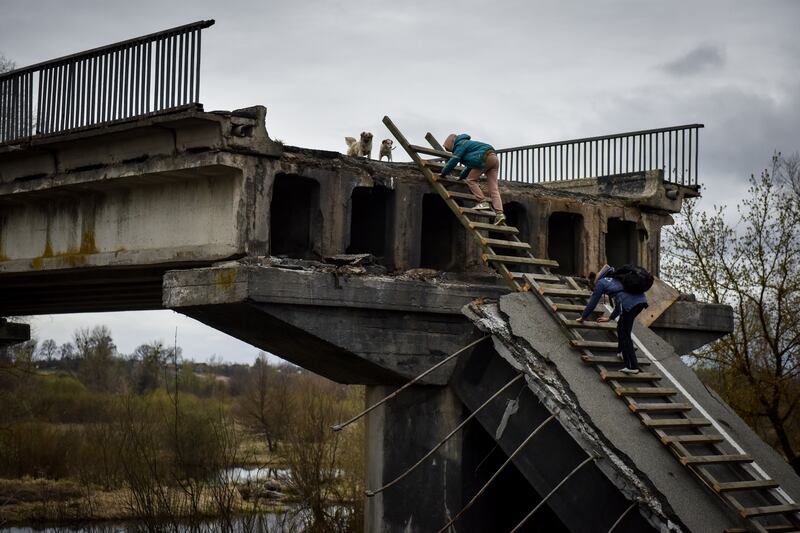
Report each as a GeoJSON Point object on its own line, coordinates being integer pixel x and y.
{"type": "Point", "coordinates": [627, 287]}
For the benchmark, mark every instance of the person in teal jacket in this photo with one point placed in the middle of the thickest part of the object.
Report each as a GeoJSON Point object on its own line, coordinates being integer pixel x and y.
{"type": "Point", "coordinates": [478, 158]}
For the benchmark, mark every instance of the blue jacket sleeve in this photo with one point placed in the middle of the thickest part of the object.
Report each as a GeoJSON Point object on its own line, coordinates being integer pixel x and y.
{"type": "Point", "coordinates": [616, 311]}
{"type": "Point", "coordinates": [599, 289]}
{"type": "Point", "coordinates": [464, 173]}
{"type": "Point", "coordinates": [453, 161]}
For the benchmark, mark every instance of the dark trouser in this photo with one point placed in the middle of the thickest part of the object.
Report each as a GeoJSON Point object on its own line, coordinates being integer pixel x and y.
{"type": "Point", "coordinates": [624, 328]}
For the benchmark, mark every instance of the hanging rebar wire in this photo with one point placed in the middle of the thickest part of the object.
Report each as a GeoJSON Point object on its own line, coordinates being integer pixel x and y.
{"type": "Point", "coordinates": [339, 427]}
{"type": "Point", "coordinates": [472, 415]}
{"type": "Point", "coordinates": [623, 515]}
{"type": "Point", "coordinates": [499, 470]}
{"type": "Point", "coordinates": [544, 500]}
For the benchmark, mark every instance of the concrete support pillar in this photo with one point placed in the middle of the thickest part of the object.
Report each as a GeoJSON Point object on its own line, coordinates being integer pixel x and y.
{"type": "Point", "coordinates": [399, 433]}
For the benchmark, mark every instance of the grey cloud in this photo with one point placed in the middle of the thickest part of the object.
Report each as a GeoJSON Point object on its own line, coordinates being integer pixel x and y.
{"type": "Point", "coordinates": [700, 59]}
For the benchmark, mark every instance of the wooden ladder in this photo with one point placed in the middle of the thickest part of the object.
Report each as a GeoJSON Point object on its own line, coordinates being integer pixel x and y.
{"type": "Point", "coordinates": [733, 477]}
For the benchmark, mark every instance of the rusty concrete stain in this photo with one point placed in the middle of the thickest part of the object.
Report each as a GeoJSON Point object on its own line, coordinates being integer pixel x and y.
{"type": "Point", "coordinates": [88, 245]}
{"type": "Point", "coordinates": [70, 258]}
{"type": "Point", "coordinates": [226, 278]}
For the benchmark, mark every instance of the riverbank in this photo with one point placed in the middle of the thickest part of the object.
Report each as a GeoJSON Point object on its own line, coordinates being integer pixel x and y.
{"type": "Point", "coordinates": [42, 503]}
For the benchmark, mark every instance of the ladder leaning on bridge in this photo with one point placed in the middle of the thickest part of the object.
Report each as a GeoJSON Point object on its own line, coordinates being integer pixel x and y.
{"type": "Point", "coordinates": [733, 477]}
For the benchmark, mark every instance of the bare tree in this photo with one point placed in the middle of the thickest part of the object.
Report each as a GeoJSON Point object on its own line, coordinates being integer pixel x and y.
{"type": "Point", "coordinates": [754, 268]}
{"type": "Point", "coordinates": [96, 352]}
{"type": "Point", "coordinates": [264, 404]}
{"type": "Point", "coordinates": [6, 64]}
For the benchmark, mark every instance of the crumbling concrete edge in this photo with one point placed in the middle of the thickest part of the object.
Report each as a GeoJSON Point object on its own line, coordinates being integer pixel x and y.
{"type": "Point", "coordinates": [555, 394]}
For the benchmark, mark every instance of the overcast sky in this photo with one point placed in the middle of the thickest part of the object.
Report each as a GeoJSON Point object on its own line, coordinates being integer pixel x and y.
{"type": "Point", "coordinates": [510, 73]}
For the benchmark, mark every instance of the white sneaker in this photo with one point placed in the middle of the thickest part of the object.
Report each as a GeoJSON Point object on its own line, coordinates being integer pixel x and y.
{"type": "Point", "coordinates": [484, 206]}
{"type": "Point", "coordinates": [627, 370]}
{"type": "Point", "coordinates": [500, 219]}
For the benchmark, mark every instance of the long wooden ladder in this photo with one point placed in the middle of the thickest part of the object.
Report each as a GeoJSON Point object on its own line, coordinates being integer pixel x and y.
{"type": "Point", "coordinates": [710, 455]}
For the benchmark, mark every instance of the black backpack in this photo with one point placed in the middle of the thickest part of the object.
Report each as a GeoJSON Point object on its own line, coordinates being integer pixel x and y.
{"type": "Point", "coordinates": [634, 279]}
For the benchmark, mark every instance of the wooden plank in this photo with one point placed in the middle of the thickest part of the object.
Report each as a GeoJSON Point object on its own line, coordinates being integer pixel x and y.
{"type": "Point", "coordinates": [505, 244]}
{"type": "Point", "coordinates": [645, 391]}
{"type": "Point", "coordinates": [537, 277]}
{"type": "Point", "coordinates": [430, 151]}
{"type": "Point", "coordinates": [622, 376]}
{"type": "Point", "coordinates": [463, 195]}
{"type": "Point", "coordinates": [498, 229]}
{"type": "Point", "coordinates": [670, 407]}
{"type": "Point", "coordinates": [692, 439]}
{"type": "Point", "coordinates": [609, 360]}
{"type": "Point", "coordinates": [784, 528]}
{"type": "Point", "coordinates": [659, 298]}
{"type": "Point", "coordinates": [559, 291]}
{"type": "Point", "coordinates": [573, 307]}
{"type": "Point", "coordinates": [752, 512]}
{"type": "Point", "coordinates": [715, 459]}
{"type": "Point", "coordinates": [517, 260]}
{"type": "Point", "coordinates": [594, 345]}
{"type": "Point", "coordinates": [676, 422]}
{"type": "Point", "coordinates": [438, 165]}
{"type": "Point", "coordinates": [448, 181]}
{"type": "Point", "coordinates": [746, 485]}
{"type": "Point", "coordinates": [476, 212]}
{"type": "Point", "coordinates": [589, 324]}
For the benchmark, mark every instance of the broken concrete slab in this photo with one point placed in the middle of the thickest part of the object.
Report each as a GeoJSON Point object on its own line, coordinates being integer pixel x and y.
{"type": "Point", "coordinates": [531, 340]}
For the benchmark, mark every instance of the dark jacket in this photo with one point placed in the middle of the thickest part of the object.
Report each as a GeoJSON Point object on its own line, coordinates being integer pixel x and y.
{"type": "Point", "coordinates": [624, 301]}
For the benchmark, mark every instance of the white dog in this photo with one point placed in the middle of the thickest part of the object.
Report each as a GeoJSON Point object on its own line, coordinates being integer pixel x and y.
{"type": "Point", "coordinates": [386, 150]}
{"type": "Point", "coordinates": [361, 148]}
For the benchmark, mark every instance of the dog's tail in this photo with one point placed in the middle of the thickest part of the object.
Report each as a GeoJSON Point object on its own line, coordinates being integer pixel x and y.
{"type": "Point", "coordinates": [350, 141]}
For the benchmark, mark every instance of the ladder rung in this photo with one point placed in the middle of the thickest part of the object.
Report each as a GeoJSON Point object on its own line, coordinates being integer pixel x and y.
{"type": "Point", "coordinates": [752, 512]}
{"type": "Point", "coordinates": [537, 277]}
{"type": "Point", "coordinates": [609, 360]}
{"type": "Point", "coordinates": [518, 260]}
{"type": "Point", "coordinates": [715, 459]}
{"type": "Point", "coordinates": [622, 376]}
{"type": "Point", "coordinates": [449, 180]}
{"type": "Point", "coordinates": [692, 439]}
{"type": "Point", "coordinates": [506, 244]}
{"type": "Point", "coordinates": [676, 423]}
{"type": "Point", "coordinates": [589, 324]}
{"type": "Point", "coordinates": [746, 485]}
{"type": "Point", "coordinates": [438, 165]}
{"type": "Point", "coordinates": [783, 528]}
{"type": "Point", "coordinates": [430, 151]}
{"type": "Point", "coordinates": [645, 391]}
{"type": "Point", "coordinates": [597, 345]}
{"type": "Point", "coordinates": [463, 195]}
{"type": "Point", "coordinates": [670, 407]}
{"type": "Point", "coordinates": [499, 229]}
{"type": "Point", "coordinates": [476, 212]}
{"type": "Point", "coordinates": [572, 307]}
{"type": "Point", "coordinates": [558, 291]}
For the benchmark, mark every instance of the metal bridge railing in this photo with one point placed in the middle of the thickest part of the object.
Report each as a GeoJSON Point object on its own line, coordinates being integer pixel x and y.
{"type": "Point", "coordinates": [133, 78]}
{"type": "Point", "coordinates": [673, 150]}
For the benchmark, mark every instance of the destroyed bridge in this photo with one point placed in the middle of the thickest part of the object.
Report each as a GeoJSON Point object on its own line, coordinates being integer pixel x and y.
{"type": "Point", "coordinates": [119, 192]}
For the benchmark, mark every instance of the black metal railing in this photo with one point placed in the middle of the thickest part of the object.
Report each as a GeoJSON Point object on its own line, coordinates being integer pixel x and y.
{"type": "Point", "coordinates": [133, 78]}
{"type": "Point", "coordinates": [673, 150]}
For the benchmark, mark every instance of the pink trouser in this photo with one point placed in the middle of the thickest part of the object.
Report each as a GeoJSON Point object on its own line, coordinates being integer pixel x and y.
{"type": "Point", "coordinates": [491, 170]}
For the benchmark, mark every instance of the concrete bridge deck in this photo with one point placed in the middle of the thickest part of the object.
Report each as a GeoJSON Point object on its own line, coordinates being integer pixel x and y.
{"type": "Point", "coordinates": [204, 214]}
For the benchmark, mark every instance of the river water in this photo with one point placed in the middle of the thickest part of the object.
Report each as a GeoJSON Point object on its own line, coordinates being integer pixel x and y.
{"type": "Point", "coordinates": [278, 522]}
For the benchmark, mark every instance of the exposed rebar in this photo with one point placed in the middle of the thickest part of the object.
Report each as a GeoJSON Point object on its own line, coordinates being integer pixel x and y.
{"type": "Point", "coordinates": [544, 500]}
{"type": "Point", "coordinates": [623, 515]}
{"type": "Point", "coordinates": [339, 427]}
{"type": "Point", "coordinates": [472, 415]}
{"type": "Point", "coordinates": [494, 476]}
